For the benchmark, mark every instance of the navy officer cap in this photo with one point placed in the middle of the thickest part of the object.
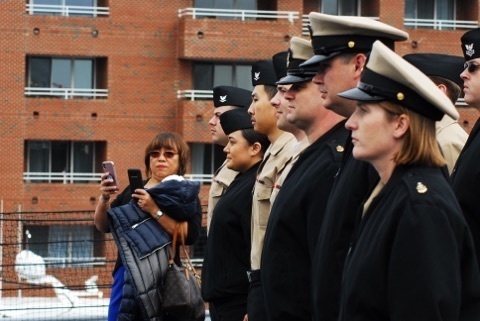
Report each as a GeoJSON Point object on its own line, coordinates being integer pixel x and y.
{"type": "Point", "coordinates": [235, 119]}
{"type": "Point", "coordinates": [440, 65]}
{"type": "Point", "coordinates": [471, 44]}
{"type": "Point", "coordinates": [300, 50]}
{"type": "Point", "coordinates": [332, 35]}
{"type": "Point", "coordinates": [263, 73]}
{"type": "Point", "coordinates": [231, 96]}
{"type": "Point", "coordinates": [387, 76]}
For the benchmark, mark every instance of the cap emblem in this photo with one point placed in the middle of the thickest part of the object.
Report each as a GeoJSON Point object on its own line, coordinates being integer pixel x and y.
{"type": "Point", "coordinates": [223, 99]}
{"type": "Point", "coordinates": [257, 76]}
{"type": "Point", "coordinates": [469, 51]}
{"type": "Point", "coordinates": [351, 44]}
{"type": "Point", "coordinates": [421, 188]}
{"type": "Point", "coordinates": [400, 96]}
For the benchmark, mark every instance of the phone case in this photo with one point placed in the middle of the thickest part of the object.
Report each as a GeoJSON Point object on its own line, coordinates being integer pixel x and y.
{"type": "Point", "coordinates": [109, 166]}
{"type": "Point", "coordinates": [135, 179]}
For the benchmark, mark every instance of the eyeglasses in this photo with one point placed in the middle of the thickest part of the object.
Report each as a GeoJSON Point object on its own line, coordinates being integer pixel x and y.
{"type": "Point", "coordinates": [471, 67]}
{"type": "Point", "coordinates": [166, 154]}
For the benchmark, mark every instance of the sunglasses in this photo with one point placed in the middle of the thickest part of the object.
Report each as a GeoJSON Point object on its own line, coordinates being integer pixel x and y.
{"type": "Point", "coordinates": [471, 67]}
{"type": "Point", "coordinates": [166, 154]}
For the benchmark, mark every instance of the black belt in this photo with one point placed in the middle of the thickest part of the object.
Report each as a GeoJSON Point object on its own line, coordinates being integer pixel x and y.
{"type": "Point", "coordinates": [253, 276]}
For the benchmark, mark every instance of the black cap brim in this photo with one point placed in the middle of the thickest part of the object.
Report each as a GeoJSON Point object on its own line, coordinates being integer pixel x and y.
{"type": "Point", "coordinates": [316, 59]}
{"type": "Point", "coordinates": [360, 95]}
{"type": "Point", "coordinates": [293, 79]}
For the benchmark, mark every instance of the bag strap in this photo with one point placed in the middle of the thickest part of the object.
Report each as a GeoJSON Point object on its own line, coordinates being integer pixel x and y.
{"type": "Point", "coordinates": [187, 263]}
{"type": "Point", "coordinates": [173, 248]}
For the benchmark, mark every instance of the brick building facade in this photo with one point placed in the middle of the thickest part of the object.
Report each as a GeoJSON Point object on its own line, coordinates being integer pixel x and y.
{"type": "Point", "coordinates": [83, 85]}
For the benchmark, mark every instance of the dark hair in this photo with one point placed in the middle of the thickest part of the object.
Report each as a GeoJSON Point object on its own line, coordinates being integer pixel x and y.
{"type": "Point", "coordinates": [270, 90]}
{"type": "Point", "coordinates": [453, 89]}
{"type": "Point", "coordinates": [253, 137]}
{"type": "Point", "coordinates": [171, 141]}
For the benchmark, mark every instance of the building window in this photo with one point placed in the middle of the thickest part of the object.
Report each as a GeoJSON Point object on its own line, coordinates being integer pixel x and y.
{"type": "Point", "coordinates": [430, 9]}
{"type": "Point", "coordinates": [227, 4]}
{"type": "Point", "coordinates": [206, 158]}
{"type": "Point", "coordinates": [341, 7]}
{"type": "Point", "coordinates": [66, 77]}
{"type": "Point", "coordinates": [209, 75]}
{"type": "Point", "coordinates": [86, 8]}
{"type": "Point", "coordinates": [63, 161]}
{"type": "Point", "coordinates": [62, 245]}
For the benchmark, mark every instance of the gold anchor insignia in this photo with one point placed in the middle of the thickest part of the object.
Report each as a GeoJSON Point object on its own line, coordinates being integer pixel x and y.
{"type": "Point", "coordinates": [421, 188]}
{"type": "Point", "coordinates": [340, 148]}
{"type": "Point", "coordinates": [351, 44]}
{"type": "Point", "coordinates": [400, 96]}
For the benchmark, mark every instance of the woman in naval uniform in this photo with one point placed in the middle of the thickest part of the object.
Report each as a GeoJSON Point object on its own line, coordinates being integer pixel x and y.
{"type": "Point", "coordinates": [411, 256]}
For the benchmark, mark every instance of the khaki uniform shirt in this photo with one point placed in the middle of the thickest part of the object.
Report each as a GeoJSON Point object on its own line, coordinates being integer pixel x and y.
{"type": "Point", "coordinates": [451, 138]}
{"type": "Point", "coordinates": [274, 159]}
{"type": "Point", "coordinates": [221, 180]}
{"type": "Point", "coordinates": [297, 149]}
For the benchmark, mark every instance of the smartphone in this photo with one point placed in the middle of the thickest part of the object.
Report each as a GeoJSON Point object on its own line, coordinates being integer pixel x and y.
{"type": "Point", "coordinates": [109, 166]}
{"type": "Point", "coordinates": [135, 179]}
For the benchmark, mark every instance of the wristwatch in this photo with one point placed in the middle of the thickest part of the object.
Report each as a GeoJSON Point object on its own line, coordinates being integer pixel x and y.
{"type": "Point", "coordinates": [159, 214]}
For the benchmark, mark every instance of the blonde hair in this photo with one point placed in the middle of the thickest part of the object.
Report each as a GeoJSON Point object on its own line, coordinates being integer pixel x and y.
{"type": "Point", "coordinates": [420, 145]}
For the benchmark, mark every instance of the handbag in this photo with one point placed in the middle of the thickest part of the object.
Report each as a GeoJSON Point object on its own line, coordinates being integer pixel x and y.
{"type": "Point", "coordinates": [182, 298]}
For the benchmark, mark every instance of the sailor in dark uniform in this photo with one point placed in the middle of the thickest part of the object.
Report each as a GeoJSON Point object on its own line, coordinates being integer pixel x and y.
{"type": "Point", "coordinates": [227, 255]}
{"type": "Point", "coordinates": [412, 256]}
{"type": "Point", "coordinates": [341, 45]}
{"type": "Point", "coordinates": [297, 212]}
{"type": "Point", "coordinates": [224, 98]}
{"type": "Point", "coordinates": [465, 178]}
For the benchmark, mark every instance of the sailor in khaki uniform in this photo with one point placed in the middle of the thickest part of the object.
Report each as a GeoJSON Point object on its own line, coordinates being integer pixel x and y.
{"type": "Point", "coordinates": [300, 50]}
{"type": "Point", "coordinates": [224, 98]}
{"type": "Point", "coordinates": [444, 71]}
{"type": "Point", "coordinates": [264, 121]}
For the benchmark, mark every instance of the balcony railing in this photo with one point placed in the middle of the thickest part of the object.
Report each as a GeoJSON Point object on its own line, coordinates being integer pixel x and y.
{"type": "Point", "coordinates": [461, 102]}
{"type": "Point", "coordinates": [439, 24]}
{"type": "Point", "coordinates": [202, 178]}
{"type": "Point", "coordinates": [69, 178]}
{"type": "Point", "coordinates": [306, 22]}
{"type": "Point", "coordinates": [195, 94]}
{"type": "Point", "coordinates": [238, 14]}
{"type": "Point", "coordinates": [63, 177]}
{"type": "Point", "coordinates": [66, 93]}
{"type": "Point", "coordinates": [63, 10]}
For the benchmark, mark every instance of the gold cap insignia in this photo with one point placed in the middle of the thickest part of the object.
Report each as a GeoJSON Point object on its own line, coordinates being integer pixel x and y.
{"type": "Point", "coordinates": [340, 148]}
{"type": "Point", "coordinates": [351, 44]}
{"type": "Point", "coordinates": [421, 188]}
{"type": "Point", "coordinates": [400, 96]}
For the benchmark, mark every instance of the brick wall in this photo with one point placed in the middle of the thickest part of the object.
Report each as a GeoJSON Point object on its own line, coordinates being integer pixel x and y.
{"type": "Point", "coordinates": [149, 51]}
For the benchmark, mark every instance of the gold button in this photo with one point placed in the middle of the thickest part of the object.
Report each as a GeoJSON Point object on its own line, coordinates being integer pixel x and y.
{"type": "Point", "coordinates": [351, 44]}
{"type": "Point", "coordinates": [340, 148]}
{"type": "Point", "coordinates": [400, 96]}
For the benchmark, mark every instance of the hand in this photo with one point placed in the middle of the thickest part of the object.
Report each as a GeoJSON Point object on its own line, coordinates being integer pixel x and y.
{"type": "Point", "coordinates": [245, 318]}
{"type": "Point", "coordinates": [145, 201]}
{"type": "Point", "coordinates": [106, 189]}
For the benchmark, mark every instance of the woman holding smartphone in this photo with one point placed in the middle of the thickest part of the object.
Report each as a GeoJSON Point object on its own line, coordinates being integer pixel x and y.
{"type": "Point", "coordinates": [167, 154]}
{"type": "Point", "coordinates": [412, 255]}
{"type": "Point", "coordinates": [227, 255]}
